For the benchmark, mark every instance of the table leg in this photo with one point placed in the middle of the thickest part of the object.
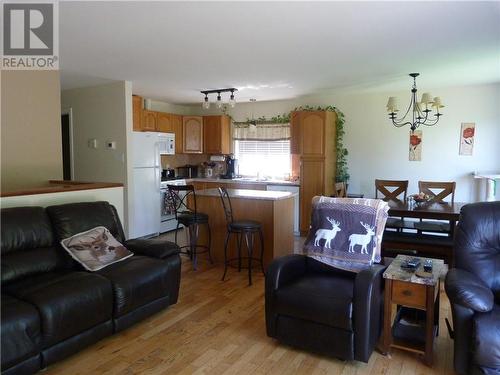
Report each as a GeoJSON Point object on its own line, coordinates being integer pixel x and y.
{"type": "Point", "coordinates": [429, 326]}
{"type": "Point", "coordinates": [387, 334]}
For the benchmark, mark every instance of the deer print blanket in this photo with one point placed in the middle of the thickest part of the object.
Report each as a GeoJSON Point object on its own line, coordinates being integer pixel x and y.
{"type": "Point", "coordinates": [346, 233]}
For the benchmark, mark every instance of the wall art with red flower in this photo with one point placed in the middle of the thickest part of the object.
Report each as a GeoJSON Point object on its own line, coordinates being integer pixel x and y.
{"type": "Point", "coordinates": [467, 133]}
{"type": "Point", "coordinates": [415, 145]}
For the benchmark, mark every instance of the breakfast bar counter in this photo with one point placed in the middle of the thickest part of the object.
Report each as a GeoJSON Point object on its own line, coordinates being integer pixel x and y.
{"type": "Point", "coordinates": [273, 209]}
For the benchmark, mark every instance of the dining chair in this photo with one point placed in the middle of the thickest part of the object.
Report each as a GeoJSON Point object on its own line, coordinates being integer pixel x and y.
{"type": "Point", "coordinates": [243, 229]}
{"type": "Point", "coordinates": [340, 190]}
{"type": "Point", "coordinates": [445, 189]}
{"type": "Point", "coordinates": [438, 192]}
{"type": "Point", "coordinates": [182, 197]}
{"type": "Point", "coordinates": [400, 187]}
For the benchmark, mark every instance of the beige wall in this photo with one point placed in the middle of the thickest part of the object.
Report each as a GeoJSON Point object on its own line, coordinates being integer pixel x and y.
{"type": "Point", "coordinates": [98, 113]}
{"type": "Point", "coordinates": [30, 129]}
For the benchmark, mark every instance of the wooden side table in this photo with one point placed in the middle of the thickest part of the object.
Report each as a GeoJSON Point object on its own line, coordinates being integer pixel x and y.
{"type": "Point", "coordinates": [411, 292]}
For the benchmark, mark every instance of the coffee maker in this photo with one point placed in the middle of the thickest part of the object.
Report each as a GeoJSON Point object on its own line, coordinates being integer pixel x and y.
{"type": "Point", "coordinates": [231, 167]}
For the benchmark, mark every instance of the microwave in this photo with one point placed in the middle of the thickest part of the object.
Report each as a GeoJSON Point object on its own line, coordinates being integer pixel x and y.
{"type": "Point", "coordinates": [166, 143]}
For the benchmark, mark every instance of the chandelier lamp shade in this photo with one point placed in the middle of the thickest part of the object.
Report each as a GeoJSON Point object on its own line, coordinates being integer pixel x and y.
{"type": "Point", "coordinates": [218, 103]}
{"type": "Point", "coordinates": [418, 113]}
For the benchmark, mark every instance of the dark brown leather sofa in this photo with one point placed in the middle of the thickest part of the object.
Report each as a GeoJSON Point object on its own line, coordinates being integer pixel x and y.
{"type": "Point", "coordinates": [51, 307]}
{"type": "Point", "coordinates": [316, 307]}
{"type": "Point", "coordinates": [473, 288]}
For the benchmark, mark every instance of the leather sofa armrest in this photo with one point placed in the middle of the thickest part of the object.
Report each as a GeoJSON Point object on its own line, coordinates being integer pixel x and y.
{"type": "Point", "coordinates": [368, 303]}
{"type": "Point", "coordinates": [154, 247]}
{"type": "Point", "coordinates": [280, 272]}
{"type": "Point", "coordinates": [466, 289]}
{"type": "Point", "coordinates": [283, 270]}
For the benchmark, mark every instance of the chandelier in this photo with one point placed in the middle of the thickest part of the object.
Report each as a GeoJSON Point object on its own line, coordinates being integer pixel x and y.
{"type": "Point", "coordinates": [218, 103]}
{"type": "Point", "coordinates": [420, 111]}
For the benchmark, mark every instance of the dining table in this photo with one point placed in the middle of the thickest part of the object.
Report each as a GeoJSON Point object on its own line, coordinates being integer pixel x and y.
{"type": "Point", "coordinates": [422, 243]}
{"type": "Point", "coordinates": [427, 210]}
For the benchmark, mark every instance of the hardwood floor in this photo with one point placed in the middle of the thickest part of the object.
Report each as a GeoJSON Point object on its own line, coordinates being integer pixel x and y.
{"type": "Point", "coordinates": [219, 328]}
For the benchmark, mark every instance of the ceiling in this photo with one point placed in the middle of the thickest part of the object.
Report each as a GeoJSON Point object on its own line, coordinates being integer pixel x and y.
{"type": "Point", "coordinates": [277, 50]}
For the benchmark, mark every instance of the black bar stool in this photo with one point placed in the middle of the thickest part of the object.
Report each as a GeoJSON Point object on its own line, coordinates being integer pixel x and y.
{"type": "Point", "coordinates": [191, 219]}
{"type": "Point", "coordinates": [242, 228]}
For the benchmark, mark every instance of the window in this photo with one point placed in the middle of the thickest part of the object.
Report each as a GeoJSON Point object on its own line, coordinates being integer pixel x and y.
{"type": "Point", "coordinates": [264, 158]}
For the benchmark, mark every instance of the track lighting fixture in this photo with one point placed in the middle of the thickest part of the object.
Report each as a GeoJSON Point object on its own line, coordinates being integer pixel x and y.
{"type": "Point", "coordinates": [218, 103]}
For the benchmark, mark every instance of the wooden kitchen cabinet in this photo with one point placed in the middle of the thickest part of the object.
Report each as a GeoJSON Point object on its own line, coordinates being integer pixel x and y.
{"type": "Point", "coordinates": [176, 121]}
{"type": "Point", "coordinates": [216, 134]}
{"type": "Point", "coordinates": [149, 121]}
{"type": "Point", "coordinates": [164, 123]}
{"type": "Point", "coordinates": [312, 131]}
{"type": "Point", "coordinates": [312, 183]}
{"type": "Point", "coordinates": [192, 134]}
{"type": "Point", "coordinates": [137, 112]}
{"type": "Point", "coordinates": [313, 136]}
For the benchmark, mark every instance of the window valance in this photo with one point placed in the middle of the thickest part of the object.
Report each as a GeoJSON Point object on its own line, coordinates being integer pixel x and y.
{"type": "Point", "coordinates": [243, 131]}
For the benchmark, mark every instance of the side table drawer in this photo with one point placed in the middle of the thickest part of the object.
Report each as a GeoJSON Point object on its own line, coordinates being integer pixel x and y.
{"type": "Point", "coordinates": [409, 294]}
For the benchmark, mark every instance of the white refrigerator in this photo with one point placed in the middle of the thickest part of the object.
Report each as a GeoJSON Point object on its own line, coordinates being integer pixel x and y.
{"type": "Point", "coordinates": [145, 203]}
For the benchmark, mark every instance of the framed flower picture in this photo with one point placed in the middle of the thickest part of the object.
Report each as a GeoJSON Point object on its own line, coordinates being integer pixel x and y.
{"type": "Point", "coordinates": [415, 146]}
{"type": "Point", "coordinates": [467, 133]}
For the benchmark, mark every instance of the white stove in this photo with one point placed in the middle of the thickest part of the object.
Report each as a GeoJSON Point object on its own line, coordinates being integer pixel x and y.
{"type": "Point", "coordinates": [168, 221]}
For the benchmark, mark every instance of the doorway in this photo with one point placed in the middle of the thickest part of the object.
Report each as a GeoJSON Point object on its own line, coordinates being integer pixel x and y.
{"type": "Point", "coordinates": [67, 144]}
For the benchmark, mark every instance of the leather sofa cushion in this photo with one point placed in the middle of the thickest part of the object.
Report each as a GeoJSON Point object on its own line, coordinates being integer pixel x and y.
{"type": "Point", "coordinates": [28, 245]}
{"type": "Point", "coordinates": [136, 282]}
{"type": "Point", "coordinates": [20, 331]}
{"type": "Point", "coordinates": [26, 263]}
{"type": "Point", "coordinates": [70, 219]}
{"type": "Point", "coordinates": [486, 338]}
{"type": "Point", "coordinates": [68, 302]}
{"type": "Point", "coordinates": [25, 228]}
{"type": "Point", "coordinates": [320, 298]}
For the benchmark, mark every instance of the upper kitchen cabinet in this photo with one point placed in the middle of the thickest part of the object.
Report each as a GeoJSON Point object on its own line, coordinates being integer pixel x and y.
{"type": "Point", "coordinates": [164, 122]}
{"type": "Point", "coordinates": [307, 133]}
{"type": "Point", "coordinates": [312, 130]}
{"type": "Point", "coordinates": [137, 112]}
{"type": "Point", "coordinates": [192, 134]}
{"type": "Point", "coordinates": [216, 134]}
{"type": "Point", "coordinates": [176, 121]}
{"type": "Point", "coordinates": [149, 121]}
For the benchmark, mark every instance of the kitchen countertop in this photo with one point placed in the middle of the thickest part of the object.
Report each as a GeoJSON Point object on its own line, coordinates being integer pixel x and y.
{"type": "Point", "coordinates": [56, 186]}
{"type": "Point", "coordinates": [244, 180]}
{"type": "Point", "coordinates": [248, 194]}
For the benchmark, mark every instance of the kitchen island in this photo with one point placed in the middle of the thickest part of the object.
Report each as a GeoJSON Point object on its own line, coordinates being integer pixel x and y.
{"type": "Point", "coordinates": [273, 209]}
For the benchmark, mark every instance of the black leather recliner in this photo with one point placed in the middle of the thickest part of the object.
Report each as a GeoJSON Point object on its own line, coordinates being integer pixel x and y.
{"type": "Point", "coordinates": [51, 307]}
{"type": "Point", "coordinates": [313, 306]}
{"type": "Point", "coordinates": [473, 288]}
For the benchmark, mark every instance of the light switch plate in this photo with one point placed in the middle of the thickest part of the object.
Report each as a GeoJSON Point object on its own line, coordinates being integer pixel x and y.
{"type": "Point", "coordinates": [92, 143]}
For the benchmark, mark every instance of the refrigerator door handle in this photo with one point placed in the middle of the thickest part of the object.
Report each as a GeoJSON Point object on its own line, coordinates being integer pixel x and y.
{"type": "Point", "coordinates": [158, 178]}
{"type": "Point", "coordinates": [157, 155]}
